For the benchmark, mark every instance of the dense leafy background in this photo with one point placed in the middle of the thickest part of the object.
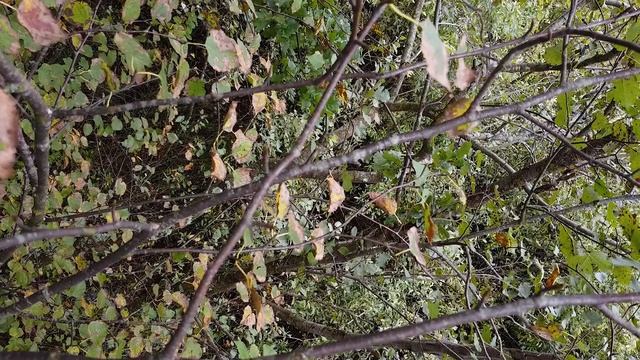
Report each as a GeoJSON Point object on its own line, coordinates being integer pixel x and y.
{"type": "Point", "coordinates": [142, 165]}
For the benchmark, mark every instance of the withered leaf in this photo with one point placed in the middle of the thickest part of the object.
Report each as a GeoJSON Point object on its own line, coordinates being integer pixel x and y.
{"type": "Point", "coordinates": [384, 202]}
{"type": "Point", "coordinates": [336, 194]}
{"type": "Point", "coordinates": [40, 23]}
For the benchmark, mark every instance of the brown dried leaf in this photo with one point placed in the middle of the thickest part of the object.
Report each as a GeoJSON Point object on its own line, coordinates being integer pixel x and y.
{"type": "Point", "coordinates": [231, 117]}
{"type": "Point", "coordinates": [282, 201]}
{"type": "Point", "coordinates": [414, 246]}
{"type": "Point", "coordinates": [279, 105]}
{"type": "Point", "coordinates": [244, 57]}
{"type": "Point", "coordinates": [384, 202]}
{"type": "Point", "coordinates": [40, 23]}
{"type": "Point", "coordinates": [317, 236]}
{"type": "Point", "coordinates": [502, 239]}
{"type": "Point", "coordinates": [255, 300]}
{"type": "Point", "coordinates": [218, 170]}
{"type": "Point", "coordinates": [464, 75]}
{"type": "Point", "coordinates": [336, 194]}
{"type": "Point", "coordinates": [241, 177]}
{"type": "Point", "coordinates": [264, 317]}
{"type": "Point", "coordinates": [180, 299]}
{"type": "Point", "coordinates": [551, 280]}
{"type": "Point", "coordinates": [9, 127]}
{"type": "Point", "coordinates": [430, 230]}
{"type": "Point", "coordinates": [435, 54]}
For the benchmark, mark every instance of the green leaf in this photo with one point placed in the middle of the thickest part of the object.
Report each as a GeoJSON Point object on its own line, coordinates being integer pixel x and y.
{"type": "Point", "coordinates": [195, 87]}
{"type": "Point", "coordinates": [564, 110]}
{"type": "Point", "coordinates": [130, 11]}
{"type": "Point", "coordinates": [97, 331]}
{"type": "Point", "coordinates": [81, 13]}
{"type": "Point", "coordinates": [553, 54]}
{"type": "Point", "coordinates": [116, 124]}
{"type": "Point", "coordinates": [162, 9]}
{"type": "Point", "coordinates": [295, 6]}
{"type": "Point", "coordinates": [133, 55]}
{"type": "Point", "coordinates": [9, 41]}
{"type": "Point", "coordinates": [136, 346]}
{"type": "Point", "coordinates": [191, 349]}
{"type": "Point", "coordinates": [243, 351]}
{"type": "Point", "coordinates": [221, 51]}
{"type": "Point", "coordinates": [120, 187]}
{"type": "Point", "coordinates": [241, 149]}
{"type": "Point", "coordinates": [626, 92]}
{"type": "Point", "coordinates": [316, 60]}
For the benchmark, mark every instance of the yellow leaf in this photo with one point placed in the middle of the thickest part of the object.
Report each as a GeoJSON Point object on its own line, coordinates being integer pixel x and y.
{"type": "Point", "coordinates": [454, 110]}
{"type": "Point", "coordinates": [336, 194]}
{"type": "Point", "coordinates": [259, 102]}
{"type": "Point", "coordinates": [384, 202]}
{"type": "Point", "coordinates": [549, 332]}
{"type": "Point", "coordinates": [282, 201]}
{"type": "Point", "coordinates": [430, 230]}
{"type": "Point", "coordinates": [120, 301]}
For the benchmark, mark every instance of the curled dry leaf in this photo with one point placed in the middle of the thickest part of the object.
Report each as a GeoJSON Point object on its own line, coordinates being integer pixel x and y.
{"type": "Point", "coordinates": [9, 127]}
{"type": "Point", "coordinates": [430, 229]}
{"type": "Point", "coordinates": [259, 102]}
{"type": "Point", "coordinates": [282, 201]}
{"type": "Point", "coordinates": [435, 54]}
{"type": "Point", "coordinates": [279, 105]}
{"type": "Point", "coordinates": [384, 202]}
{"type": "Point", "coordinates": [336, 194]}
{"type": "Point", "coordinates": [464, 75]}
{"type": "Point", "coordinates": [180, 299]}
{"type": "Point", "coordinates": [40, 23]}
{"type": "Point", "coordinates": [317, 236]}
{"type": "Point", "coordinates": [231, 117]}
{"type": "Point", "coordinates": [551, 280]}
{"type": "Point", "coordinates": [218, 170]}
{"type": "Point", "coordinates": [414, 246]}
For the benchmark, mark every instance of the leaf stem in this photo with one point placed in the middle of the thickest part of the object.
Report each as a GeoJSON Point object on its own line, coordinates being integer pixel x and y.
{"type": "Point", "coordinates": [405, 16]}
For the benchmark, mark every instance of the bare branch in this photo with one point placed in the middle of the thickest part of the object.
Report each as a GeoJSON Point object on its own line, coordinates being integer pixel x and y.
{"type": "Point", "coordinates": [619, 320]}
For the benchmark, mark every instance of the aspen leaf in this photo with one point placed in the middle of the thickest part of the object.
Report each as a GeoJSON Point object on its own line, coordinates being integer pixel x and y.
{"type": "Point", "coordinates": [259, 267]}
{"type": "Point", "coordinates": [218, 170]}
{"type": "Point", "coordinates": [384, 202]}
{"type": "Point", "coordinates": [549, 332]}
{"type": "Point", "coordinates": [241, 148]}
{"type": "Point", "coordinates": [435, 54]}
{"type": "Point", "coordinates": [221, 51]}
{"type": "Point", "coordinates": [282, 201]}
{"type": "Point", "coordinates": [551, 280]}
{"type": "Point", "coordinates": [464, 75]}
{"type": "Point", "coordinates": [502, 239]}
{"type": "Point", "coordinates": [9, 127]}
{"type": "Point", "coordinates": [414, 246]}
{"type": "Point", "coordinates": [40, 23]}
{"type": "Point", "coordinates": [248, 317]}
{"type": "Point", "coordinates": [336, 194]}
{"type": "Point", "coordinates": [259, 102]}
{"type": "Point", "coordinates": [134, 56]}
{"type": "Point", "coordinates": [242, 290]}
{"type": "Point", "coordinates": [296, 232]}
{"type": "Point", "coordinates": [231, 117]}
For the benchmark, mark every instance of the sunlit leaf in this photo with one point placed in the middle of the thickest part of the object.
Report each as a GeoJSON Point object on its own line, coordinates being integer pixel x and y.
{"type": "Point", "coordinates": [454, 110]}
{"type": "Point", "coordinates": [384, 202]}
{"type": "Point", "coordinates": [40, 23]}
{"type": "Point", "coordinates": [336, 194]}
{"type": "Point", "coordinates": [9, 127]}
{"type": "Point", "coordinates": [282, 201]}
{"type": "Point", "coordinates": [231, 117]}
{"type": "Point", "coordinates": [435, 54]}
